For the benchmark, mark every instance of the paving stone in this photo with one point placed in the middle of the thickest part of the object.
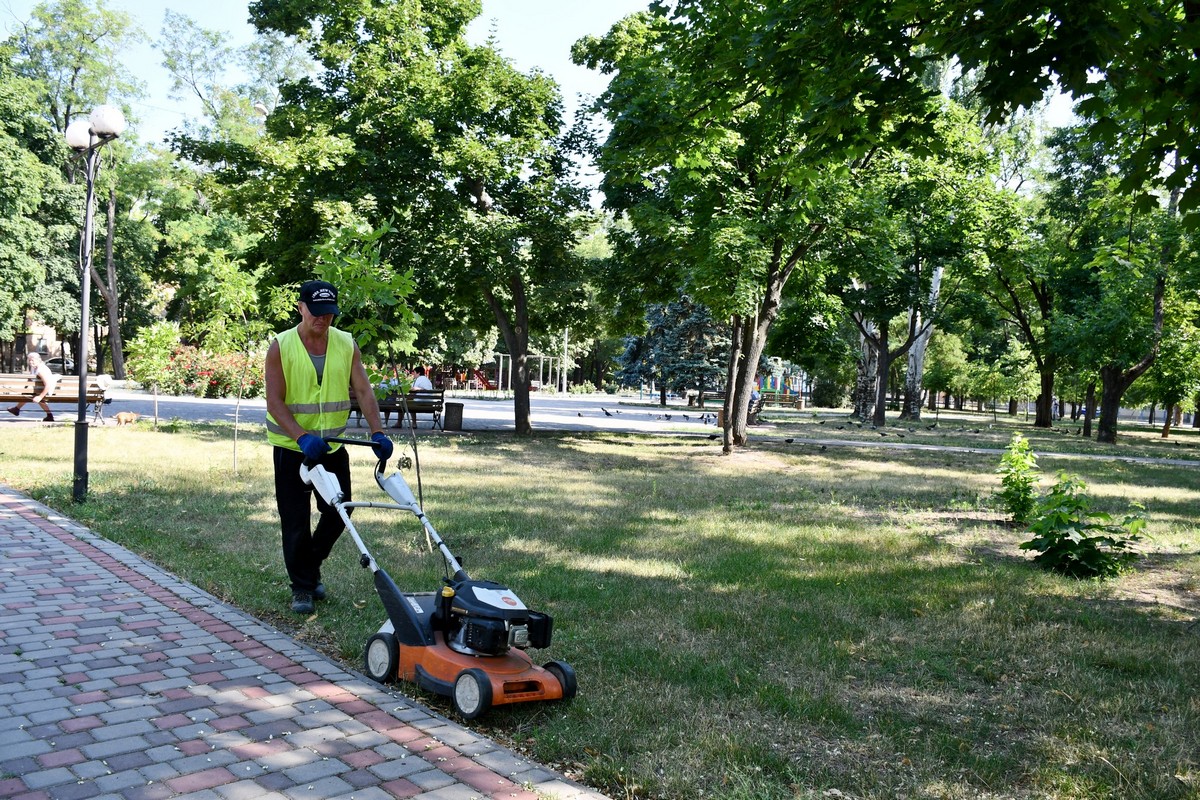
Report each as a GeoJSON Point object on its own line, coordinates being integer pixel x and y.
{"type": "Point", "coordinates": [400, 767]}
{"type": "Point", "coordinates": [48, 777]}
{"type": "Point", "coordinates": [432, 779]}
{"type": "Point", "coordinates": [319, 790]}
{"type": "Point", "coordinates": [449, 791]}
{"type": "Point", "coordinates": [119, 781]}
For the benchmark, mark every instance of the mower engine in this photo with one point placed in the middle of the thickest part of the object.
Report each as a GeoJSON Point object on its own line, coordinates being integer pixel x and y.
{"type": "Point", "coordinates": [482, 618]}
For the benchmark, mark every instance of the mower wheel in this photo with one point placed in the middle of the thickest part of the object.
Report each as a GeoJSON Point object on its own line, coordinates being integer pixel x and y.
{"type": "Point", "coordinates": [565, 676]}
{"type": "Point", "coordinates": [381, 657]}
{"type": "Point", "coordinates": [472, 693]}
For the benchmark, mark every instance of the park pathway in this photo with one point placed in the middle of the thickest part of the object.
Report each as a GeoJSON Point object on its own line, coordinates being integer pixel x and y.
{"type": "Point", "coordinates": [119, 680]}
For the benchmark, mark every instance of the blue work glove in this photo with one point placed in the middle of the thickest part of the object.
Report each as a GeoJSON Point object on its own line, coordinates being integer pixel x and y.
{"type": "Point", "coordinates": [382, 446]}
{"type": "Point", "coordinates": [313, 447]}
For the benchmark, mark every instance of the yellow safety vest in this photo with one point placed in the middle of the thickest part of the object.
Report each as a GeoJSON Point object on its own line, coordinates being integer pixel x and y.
{"type": "Point", "coordinates": [321, 408]}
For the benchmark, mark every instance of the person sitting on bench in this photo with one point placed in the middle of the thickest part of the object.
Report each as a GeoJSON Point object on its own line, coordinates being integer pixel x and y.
{"type": "Point", "coordinates": [40, 372]}
{"type": "Point", "coordinates": [421, 382]}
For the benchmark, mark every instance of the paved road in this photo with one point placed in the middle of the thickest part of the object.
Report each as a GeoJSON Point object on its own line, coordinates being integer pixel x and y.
{"type": "Point", "coordinates": [591, 412]}
{"type": "Point", "coordinates": [548, 412]}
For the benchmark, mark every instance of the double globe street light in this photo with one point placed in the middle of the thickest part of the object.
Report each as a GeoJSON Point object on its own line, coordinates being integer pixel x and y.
{"type": "Point", "coordinates": [86, 137]}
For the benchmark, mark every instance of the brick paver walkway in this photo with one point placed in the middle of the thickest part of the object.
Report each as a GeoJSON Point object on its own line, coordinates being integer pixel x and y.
{"type": "Point", "coordinates": [118, 680]}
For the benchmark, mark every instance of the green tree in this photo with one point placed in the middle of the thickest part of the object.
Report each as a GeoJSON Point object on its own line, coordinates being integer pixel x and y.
{"type": "Point", "coordinates": [946, 366]}
{"type": "Point", "coordinates": [465, 155]}
{"type": "Point", "coordinates": [815, 333]}
{"type": "Point", "coordinates": [716, 182]}
{"type": "Point", "coordinates": [683, 349]}
{"type": "Point", "coordinates": [914, 218]}
{"type": "Point", "coordinates": [150, 353]}
{"type": "Point", "coordinates": [29, 188]}
{"type": "Point", "coordinates": [70, 50]}
{"type": "Point", "coordinates": [1021, 278]}
{"type": "Point", "coordinates": [873, 58]}
{"type": "Point", "coordinates": [1012, 375]}
{"type": "Point", "coordinates": [1174, 378]}
{"type": "Point", "coordinates": [200, 60]}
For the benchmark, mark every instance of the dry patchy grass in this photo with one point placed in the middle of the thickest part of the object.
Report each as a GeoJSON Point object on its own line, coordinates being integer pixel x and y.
{"type": "Point", "coordinates": [784, 622]}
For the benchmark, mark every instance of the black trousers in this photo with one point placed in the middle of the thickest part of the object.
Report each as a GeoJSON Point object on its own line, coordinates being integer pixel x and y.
{"type": "Point", "coordinates": [304, 549]}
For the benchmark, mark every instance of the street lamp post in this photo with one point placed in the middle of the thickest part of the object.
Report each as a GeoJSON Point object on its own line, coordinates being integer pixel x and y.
{"type": "Point", "coordinates": [86, 137]}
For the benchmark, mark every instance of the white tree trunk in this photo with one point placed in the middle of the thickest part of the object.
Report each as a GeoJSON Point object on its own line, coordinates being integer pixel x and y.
{"type": "Point", "coordinates": [916, 354]}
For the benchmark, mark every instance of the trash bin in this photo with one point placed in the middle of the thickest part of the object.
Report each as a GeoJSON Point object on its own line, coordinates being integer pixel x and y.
{"type": "Point", "coordinates": [452, 417]}
{"type": "Point", "coordinates": [721, 417]}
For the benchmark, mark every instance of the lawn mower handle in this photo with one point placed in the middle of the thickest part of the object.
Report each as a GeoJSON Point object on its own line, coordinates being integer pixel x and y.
{"type": "Point", "coordinates": [366, 442]}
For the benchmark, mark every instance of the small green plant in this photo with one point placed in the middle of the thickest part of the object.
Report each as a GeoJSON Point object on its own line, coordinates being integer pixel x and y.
{"type": "Point", "coordinates": [1019, 479]}
{"type": "Point", "coordinates": [1075, 541]}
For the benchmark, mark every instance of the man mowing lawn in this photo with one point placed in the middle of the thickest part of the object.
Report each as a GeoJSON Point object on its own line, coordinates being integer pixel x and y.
{"type": "Point", "coordinates": [309, 372]}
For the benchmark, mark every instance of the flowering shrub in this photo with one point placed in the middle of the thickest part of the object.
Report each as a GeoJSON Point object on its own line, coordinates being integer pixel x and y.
{"type": "Point", "coordinates": [203, 374]}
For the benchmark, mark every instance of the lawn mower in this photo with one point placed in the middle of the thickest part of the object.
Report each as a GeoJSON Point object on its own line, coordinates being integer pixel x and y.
{"type": "Point", "coordinates": [466, 641]}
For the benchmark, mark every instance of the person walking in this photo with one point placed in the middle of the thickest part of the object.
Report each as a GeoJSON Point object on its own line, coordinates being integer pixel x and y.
{"type": "Point", "coordinates": [310, 371]}
{"type": "Point", "coordinates": [41, 374]}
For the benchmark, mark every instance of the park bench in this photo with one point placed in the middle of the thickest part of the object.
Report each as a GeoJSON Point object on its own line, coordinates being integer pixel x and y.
{"type": "Point", "coordinates": [786, 399]}
{"type": "Point", "coordinates": [708, 398]}
{"type": "Point", "coordinates": [18, 387]}
{"type": "Point", "coordinates": [417, 401]}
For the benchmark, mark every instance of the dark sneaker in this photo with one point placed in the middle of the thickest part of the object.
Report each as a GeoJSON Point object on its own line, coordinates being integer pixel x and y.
{"type": "Point", "coordinates": [319, 592]}
{"type": "Point", "coordinates": [302, 603]}
{"type": "Point", "coordinates": [16, 412]}
{"type": "Point", "coordinates": [48, 418]}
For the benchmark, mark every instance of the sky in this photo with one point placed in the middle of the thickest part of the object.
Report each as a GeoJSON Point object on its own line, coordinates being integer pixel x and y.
{"type": "Point", "coordinates": [533, 33]}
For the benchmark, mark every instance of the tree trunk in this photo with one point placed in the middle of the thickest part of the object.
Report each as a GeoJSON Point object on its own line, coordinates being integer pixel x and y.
{"type": "Point", "coordinates": [914, 397]}
{"type": "Point", "coordinates": [731, 378]}
{"type": "Point", "coordinates": [516, 335]}
{"type": "Point", "coordinates": [1044, 414]}
{"type": "Point", "coordinates": [911, 409]}
{"type": "Point", "coordinates": [108, 290]}
{"type": "Point", "coordinates": [868, 374]}
{"type": "Point", "coordinates": [749, 340]}
{"type": "Point", "coordinates": [750, 335]}
{"type": "Point", "coordinates": [1153, 412]}
{"type": "Point", "coordinates": [883, 361]}
{"type": "Point", "coordinates": [1166, 428]}
{"type": "Point", "coordinates": [1012, 406]}
{"type": "Point", "coordinates": [1089, 407]}
{"type": "Point", "coordinates": [754, 338]}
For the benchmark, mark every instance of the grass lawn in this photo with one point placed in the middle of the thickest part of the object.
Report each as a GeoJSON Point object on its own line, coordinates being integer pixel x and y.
{"type": "Point", "coordinates": [785, 622]}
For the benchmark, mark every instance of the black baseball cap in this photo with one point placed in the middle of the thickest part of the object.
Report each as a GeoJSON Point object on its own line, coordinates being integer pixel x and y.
{"type": "Point", "coordinates": [320, 297]}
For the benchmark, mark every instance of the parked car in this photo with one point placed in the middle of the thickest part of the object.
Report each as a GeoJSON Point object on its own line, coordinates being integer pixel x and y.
{"type": "Point", "coordinates": [61, 366]}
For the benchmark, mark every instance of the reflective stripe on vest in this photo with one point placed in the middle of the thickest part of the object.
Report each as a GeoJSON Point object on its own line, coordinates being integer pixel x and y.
{"type": "Point", "coordinates": [321, 408]}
